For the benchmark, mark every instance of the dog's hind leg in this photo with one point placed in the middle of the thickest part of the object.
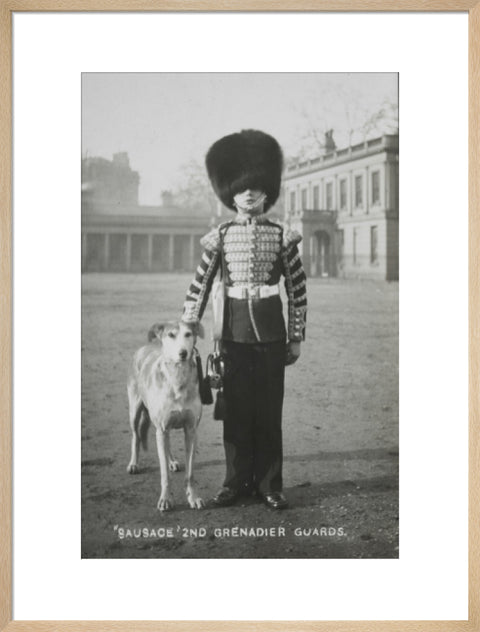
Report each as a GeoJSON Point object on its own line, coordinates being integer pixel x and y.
{"type": "Point", "coordinates": [193, 498]}
{"type": "Point", "coordinates": [136, 412]}
{"type": "Point", "coordinates": [165, 502]}
{"type": "Point", "coordinates": [143, 426]}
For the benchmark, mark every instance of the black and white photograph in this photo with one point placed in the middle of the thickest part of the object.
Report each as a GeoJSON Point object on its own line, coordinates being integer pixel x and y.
{"type": "Point", "coordinates": [239, 320]}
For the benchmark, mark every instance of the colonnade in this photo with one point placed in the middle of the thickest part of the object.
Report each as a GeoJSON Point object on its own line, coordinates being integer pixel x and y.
{"type": "Point", "coordinates": [148, 252]}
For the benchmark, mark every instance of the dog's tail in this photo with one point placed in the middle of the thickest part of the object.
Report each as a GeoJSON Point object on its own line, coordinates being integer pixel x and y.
{"type": "Point", "coordinates": [142, 424]}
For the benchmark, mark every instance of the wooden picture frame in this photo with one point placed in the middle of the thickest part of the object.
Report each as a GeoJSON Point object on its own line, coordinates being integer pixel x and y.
{"type": "Point", "coordinates": [7, 8]}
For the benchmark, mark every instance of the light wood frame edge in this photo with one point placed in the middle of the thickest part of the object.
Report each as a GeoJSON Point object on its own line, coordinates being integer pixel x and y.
{"type": "Point", "coordinates": [7, 8]}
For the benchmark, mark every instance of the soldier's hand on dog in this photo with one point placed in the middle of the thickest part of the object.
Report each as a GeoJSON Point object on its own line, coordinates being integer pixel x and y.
{"type": "Point", "coordinates": [292, 353]}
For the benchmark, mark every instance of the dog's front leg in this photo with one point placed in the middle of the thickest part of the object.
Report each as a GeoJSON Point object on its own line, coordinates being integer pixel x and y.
{"type": "Point", "coordinates": [173, 464]}
{"type": "Point", "coordinates": [193, 498]}
{"type": "Point", "coordinates": [136, 411]}
{"type": "Point", "coordinates": [165, 502]}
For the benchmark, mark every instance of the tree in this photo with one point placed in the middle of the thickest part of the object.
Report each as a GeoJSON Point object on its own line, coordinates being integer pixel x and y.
{"type": "Point", "coordinates": [382, 121]}
{"type": "Point", "coordinates": [349, 107]}
{"type": "Point", "coordinates": [195, 191]}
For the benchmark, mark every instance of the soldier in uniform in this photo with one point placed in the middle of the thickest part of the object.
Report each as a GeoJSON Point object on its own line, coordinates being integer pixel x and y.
{"type": "Point", "coordinates": [252, 252]}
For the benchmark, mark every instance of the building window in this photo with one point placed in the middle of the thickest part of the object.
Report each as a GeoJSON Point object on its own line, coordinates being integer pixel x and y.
{"type": "Point", "coordinates": [292, 201]}
{"type": "Point", "coordinates": [373, 244]}
{"type": "Point", "coordinates": [304, 199]}
{"type": "Point", "coordinates": [316, 197]}
{"type": "Point", "coordinates": [358, 191]}
{"type": "Point", "coordinates": [329, 196]}
{"type": "Point", "coordinates": [343, 194]}
{"type": "Point", "coordinates": [376, 187]}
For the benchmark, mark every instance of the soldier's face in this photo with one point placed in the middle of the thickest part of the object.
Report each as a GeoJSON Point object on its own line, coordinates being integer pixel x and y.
{"type": "Point", "coordinates": [250, 202]}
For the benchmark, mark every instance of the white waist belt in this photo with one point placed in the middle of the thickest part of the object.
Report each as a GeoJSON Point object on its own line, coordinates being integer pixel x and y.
{"type": "Point", "coordinates": [257, 291]}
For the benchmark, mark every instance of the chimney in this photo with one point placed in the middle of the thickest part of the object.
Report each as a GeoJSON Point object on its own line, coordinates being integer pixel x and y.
{"type": "Point", "coordinates": [121, 159]}
{"type": "Point", "coordinates": [167, 198]}
{"type": "Point", "coordinates": [329, 142]}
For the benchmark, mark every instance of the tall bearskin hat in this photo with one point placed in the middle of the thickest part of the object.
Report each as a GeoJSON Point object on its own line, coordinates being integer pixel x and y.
{"type": "Point", "coordinates": [249, 159]}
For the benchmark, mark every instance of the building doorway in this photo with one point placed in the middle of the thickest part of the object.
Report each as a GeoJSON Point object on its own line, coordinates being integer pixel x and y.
{"type": "Point", "coordinates": [320, 254]}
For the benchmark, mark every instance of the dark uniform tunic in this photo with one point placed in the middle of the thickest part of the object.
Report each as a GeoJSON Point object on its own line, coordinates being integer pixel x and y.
{"type": "Point", "coordinates": [253, 254]}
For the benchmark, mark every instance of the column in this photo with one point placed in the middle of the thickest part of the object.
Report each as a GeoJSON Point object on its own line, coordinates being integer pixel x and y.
{"type": "Point", "coordinates": [313, 256]}
{"type": "Point", "coordinates": [383, 186]}
{"type": "Point", "coordinates": [351, 189]}
{"type": "Point", "coordinates": [171, 252]}
{"type": "Point", "coordinates": [149, 251]}
{"type": "Point", "coordinates": [106, 251]}
{"type": "Point", "coordinates": [367, 190]}
{"type": "Point", "coordinates": [321, 256]}
{"type": "Point", "coordinates": [128, 253]}
{"type": "Point", "coordinates": [387, 189]}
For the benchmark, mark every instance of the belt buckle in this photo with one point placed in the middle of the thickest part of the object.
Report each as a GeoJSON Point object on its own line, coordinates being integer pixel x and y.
{"type": "Point", "coordinates": [254, 291]}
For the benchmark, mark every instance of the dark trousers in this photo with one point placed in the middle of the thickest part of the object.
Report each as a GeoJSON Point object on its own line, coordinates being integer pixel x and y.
{"type": "Point", "coordinates": [252, 428]}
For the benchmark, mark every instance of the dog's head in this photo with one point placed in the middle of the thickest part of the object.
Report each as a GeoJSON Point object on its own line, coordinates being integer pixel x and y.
{"type": "Point", "coordinates": [178, 339]}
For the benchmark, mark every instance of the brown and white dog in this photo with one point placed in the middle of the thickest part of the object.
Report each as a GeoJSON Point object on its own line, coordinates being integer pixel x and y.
{"type": "Point", "coordinates": [163, 390]}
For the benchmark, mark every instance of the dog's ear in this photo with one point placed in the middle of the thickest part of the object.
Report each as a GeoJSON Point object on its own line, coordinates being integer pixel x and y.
{"type": "Point", "coordinates": [195, 327]}
{"type": "Point", "coordinates": [198, 330]}
{"type": "Point", "coordinates": [155, 332]}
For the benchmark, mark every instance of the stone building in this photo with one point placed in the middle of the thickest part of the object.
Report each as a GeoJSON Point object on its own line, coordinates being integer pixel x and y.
{"type": "Point", "coordinates": [119, 235]}
{"type": "Point", "coordinates": [109, 181]}
{"type": "Point", "coordinates": [345, 204]}
{"type": "Point", "coordinates": [141, 239]}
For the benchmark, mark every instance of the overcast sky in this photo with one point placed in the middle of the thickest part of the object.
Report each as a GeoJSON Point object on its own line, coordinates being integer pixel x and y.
{"type": "Point", "coordinates": [165, 120]}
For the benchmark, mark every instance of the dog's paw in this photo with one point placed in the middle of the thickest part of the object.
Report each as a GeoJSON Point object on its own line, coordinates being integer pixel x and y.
{"type": "Point", "coordinates": [165, 503]}
{"type": "Point", "coordinates": [196, 502]}
{"type": "Point", "coordinates": [174, 466]}
{"type": "Point", "coordinates": [132, 468]}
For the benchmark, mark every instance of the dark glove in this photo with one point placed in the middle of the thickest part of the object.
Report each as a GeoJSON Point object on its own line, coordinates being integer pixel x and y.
{"type": "Point", "coordinates": [292, 353]}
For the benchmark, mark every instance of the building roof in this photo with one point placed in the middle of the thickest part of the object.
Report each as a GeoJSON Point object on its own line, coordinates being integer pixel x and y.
{"type": "Point", "coordinates": [388, 142]}
{"type": "Point", "coordinates": [137, 210]}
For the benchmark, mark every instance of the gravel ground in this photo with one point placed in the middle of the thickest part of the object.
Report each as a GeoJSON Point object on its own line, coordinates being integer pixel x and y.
{"type": "Point", "coordinates": [340, 434]}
